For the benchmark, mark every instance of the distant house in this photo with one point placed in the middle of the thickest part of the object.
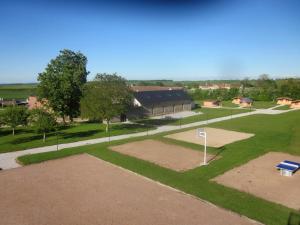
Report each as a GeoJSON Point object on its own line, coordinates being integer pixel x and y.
{"type": "Point", "coordinates": [159, 102]}
{"type": "Point", "coordinates": [246, 102]}
{"type": "Point", "coordinates": [236, 100]}
{"type": "Point", "coordinates": [215, 86]}
{"type": "Point", "coordinates": [211, 103]}
{"type": "Point", "coordinates": [34, 103]}
{"type": "Point", "coordinates": [4, 102]}
{"type": "Point", "coordinates": [284, 101]}
{"type": "Point", "coordinates": [243, 102]}
{"type": "Point", "coordinates": [11, 102]}
{"type": "Point", "coordinates": [209, 87]}
{"type": "Point", "coordinates": [295, 104]}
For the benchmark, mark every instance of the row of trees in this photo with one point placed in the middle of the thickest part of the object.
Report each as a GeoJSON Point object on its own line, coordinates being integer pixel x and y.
{"type": "Point", "coordinates": [41, 120]}
{"type": "Point", "coordinates": [267, 89]}
{"type": "Point", "coordinates": [262, 89]}
{"type": "Point", "coordinates": [64, 85]}
{"type": "Point", "coordinates": [65, 92]}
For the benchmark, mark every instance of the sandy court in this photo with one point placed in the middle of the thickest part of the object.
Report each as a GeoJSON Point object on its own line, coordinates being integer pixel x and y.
{"type": "Point", "coordinates": [260, 177]}
{"type": "Point", "coordinates": [171, 156]}
{"type": "Point", "coordinates": [82, 189]}
{"type": "Point", "coordinates": [215, 137]}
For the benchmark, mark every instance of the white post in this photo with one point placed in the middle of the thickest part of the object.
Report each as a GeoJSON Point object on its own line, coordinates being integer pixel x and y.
{"type": "Point", "coordinates": [202, 133]}
{"type": "Point", "coordinates": [204, 163]}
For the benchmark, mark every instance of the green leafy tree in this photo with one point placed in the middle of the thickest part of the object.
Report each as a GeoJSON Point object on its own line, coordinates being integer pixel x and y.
{"type": "Point", "coordinates": [1, 118]}
{"type": "Point", "coordinates": [106, 97]}
{"type": "Point", "coordinates": [43, 121]}
{"type": "Point", "coordinates": [14, 116]}
{"type": "Point", "coordinates": [62, 81]}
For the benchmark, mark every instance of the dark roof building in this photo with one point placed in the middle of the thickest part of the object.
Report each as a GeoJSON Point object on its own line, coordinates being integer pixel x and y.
{"type": "Point", "coordinates": [246, 100]}
{"type": "Point", "coordinates": [161, 98]}
{"type": "Point", "coordinates": [160, 102]}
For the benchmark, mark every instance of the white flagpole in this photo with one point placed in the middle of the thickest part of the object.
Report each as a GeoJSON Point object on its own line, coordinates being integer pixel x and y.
{"type": "Point", "coordinates": [202, 133]}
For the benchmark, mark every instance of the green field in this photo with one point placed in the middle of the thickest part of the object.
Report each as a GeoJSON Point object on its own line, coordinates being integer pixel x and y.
{"type": "Point", "coordinates": [272, 132]}
{"type": "Point", "coordinates": [17, 91]}
{"type": "Point", "coordinates": [229, 104]}
{"type": "Point", "coordinates": [27, 138]}
{"type": "Point", "coordinates": [263, 104]}
{"type": "Point", "coordinates": [283, 107]}
{"type": "Point", "coordinates": [208, 113]}
{"type": "Point", "coordinates": [256, 104]}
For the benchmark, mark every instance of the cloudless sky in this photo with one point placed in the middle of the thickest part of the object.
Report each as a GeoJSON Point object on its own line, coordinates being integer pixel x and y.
{"type": "Point", "coordinates": [180, 40]}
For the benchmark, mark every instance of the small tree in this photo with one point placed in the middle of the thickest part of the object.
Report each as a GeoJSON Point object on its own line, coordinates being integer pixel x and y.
{"type": "Point", "coordinates": [106, 97]}
{"type": "Point", "coordinates": [1, 118]}
{"type": "Point", "coordinates": [14, 116]}
{"type": "Point", "coordinates": [42, 121]}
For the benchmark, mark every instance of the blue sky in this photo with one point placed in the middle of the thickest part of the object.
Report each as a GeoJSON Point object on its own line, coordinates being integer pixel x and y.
{"type": "Point", "coordinates": [180, 40]}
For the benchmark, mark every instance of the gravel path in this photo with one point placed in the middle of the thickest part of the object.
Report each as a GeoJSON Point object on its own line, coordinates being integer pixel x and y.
{"type": "Point", "coordinates": [7, 160]}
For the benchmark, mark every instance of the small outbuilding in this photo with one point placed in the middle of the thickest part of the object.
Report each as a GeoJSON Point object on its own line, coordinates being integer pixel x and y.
{"type": "Point", "coordinates": [295, 104]}
{"type": "Point", "coordinates": [211, 103]}
{"type": "Point", "coordinates": [236, 100]}
{"type": "Point", "coordinates": [246, 102]}
{"type": "Point", "coordinates": [284, 101]}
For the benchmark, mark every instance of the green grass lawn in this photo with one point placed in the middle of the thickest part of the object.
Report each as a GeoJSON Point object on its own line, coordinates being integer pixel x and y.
{"type": "Point", "coordinates": [229, 104]}
{"type": "Point", "coordinates": [283, 107]}
{"type": "Point", "coordinates": [27, 138]}
{"type": "Point", "coordinates": [272, 133]}
{"type": "Point", "coordinates": [207, 113]}
{"type": "Point", "coordinates": [12, 93]}
{"type": "Point", "coordinates": [263, 104]}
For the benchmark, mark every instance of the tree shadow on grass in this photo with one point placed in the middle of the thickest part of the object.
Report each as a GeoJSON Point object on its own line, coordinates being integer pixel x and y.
{"type": "Point", "coordinates": [18, 131]}
{"type": "Point", "coordinates": [81, 134]}
{"type": "Point", "coordinates": [35, 137]}
{"type": "Point", "coordinates": [60, 135]}
{"type": "Point", "coordinates": [131, 126]}
{"type": "Point", "coordinates": [157, 122]}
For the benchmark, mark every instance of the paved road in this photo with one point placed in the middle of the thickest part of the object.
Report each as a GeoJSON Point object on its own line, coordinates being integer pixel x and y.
{"type": "Point", "coordinates": [7, 160]}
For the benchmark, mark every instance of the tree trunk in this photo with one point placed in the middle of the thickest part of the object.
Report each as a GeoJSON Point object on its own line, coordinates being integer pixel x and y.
{"type": "Point", "coordinates": [64, 119]}
{"type": "Point", "coordinates": [44, 137]}
{"type": "Point", "coordinates": [13, 131]}
{"type": "Point", "coordinates": [107, 126]}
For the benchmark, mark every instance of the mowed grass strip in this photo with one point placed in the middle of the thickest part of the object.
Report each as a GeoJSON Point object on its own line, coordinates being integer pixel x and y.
{"type": "Point", "coordinates": [26, 137]}
{"type": "Point", "coordinates": [272, 133]}
{"type": "Point", "coordinates": [263, 104]}
{"type": "Point", "coordinates": [207, 114]}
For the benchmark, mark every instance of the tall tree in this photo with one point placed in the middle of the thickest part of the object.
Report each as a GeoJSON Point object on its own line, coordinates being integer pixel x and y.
{"type": "Point", "coordinates": [62, 81]}
{"type": "Point", "coordinates": [106, 97]}
{"type": "Point", "coordinates": [14, 116]}
{"type": "Point", "coordinates": [43, 121]}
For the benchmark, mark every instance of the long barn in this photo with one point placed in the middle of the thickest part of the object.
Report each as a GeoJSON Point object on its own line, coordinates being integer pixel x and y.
{"type": "Point", "coordinates": [161, 102]}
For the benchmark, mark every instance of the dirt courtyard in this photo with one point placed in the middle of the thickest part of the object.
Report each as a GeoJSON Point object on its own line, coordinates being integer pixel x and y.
{"type": "Point", "coordinates": [171, 156]}
{"type": "Point", "coordinates": [215, 137]}
{"type": "Point", "coordinates": [260, 177]}
{"type": "Point", "coordinates": [82, 189]}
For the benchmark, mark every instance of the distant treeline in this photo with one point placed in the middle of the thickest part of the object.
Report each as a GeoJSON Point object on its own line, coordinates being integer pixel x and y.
{"type": "Point", "coordinates": [262, 89]}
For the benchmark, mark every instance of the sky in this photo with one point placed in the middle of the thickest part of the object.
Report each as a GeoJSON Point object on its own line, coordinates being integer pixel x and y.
{"type": "Point", "coordinates": [158, 39]}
